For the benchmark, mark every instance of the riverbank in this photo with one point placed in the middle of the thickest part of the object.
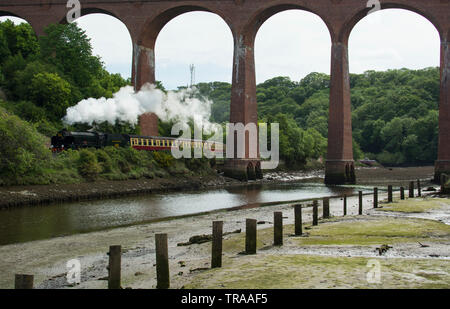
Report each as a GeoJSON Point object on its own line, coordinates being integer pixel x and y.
{"type": "Point", "coordinates": [62, 193]}
{"type": "Point", "coordinates": [331, 262]}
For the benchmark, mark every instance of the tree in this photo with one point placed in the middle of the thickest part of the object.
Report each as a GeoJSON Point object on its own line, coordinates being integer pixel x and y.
{"type": "Point", "coordinates": [70, 50]}
{"type": "Point", "coordinates": [20, 39]}
{"type": "Point", "coordinates": [4, 48]}
{"type": "Point", "coordinates": [22, 149]}
{"type": "Point", "coordinates": [51, 92]}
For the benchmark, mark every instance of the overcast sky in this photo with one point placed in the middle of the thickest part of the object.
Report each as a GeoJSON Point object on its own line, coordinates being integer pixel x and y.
{"type": "Point", "coordinates": [292, 43]}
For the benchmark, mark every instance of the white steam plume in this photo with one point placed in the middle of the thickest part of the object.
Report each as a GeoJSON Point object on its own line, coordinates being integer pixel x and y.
{"type": "Point", "coordinates": [127, 105]}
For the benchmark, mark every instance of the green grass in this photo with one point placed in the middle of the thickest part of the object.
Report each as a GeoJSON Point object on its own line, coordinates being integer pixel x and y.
{"type": "Point", "coordinates": [351, 231]}
{"type": "Point", "coordinates": [415, 205]}
{"type": "Point", "coordinates": [264, 271]}
{"type": "Point", "coordinates": [376, 232]}
{"type": "Point", "coordinates": [305, 271]}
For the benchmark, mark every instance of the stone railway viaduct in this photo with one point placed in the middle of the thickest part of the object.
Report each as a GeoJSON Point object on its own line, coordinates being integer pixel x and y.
{"type": "Point", "coordinates": [145, 19]}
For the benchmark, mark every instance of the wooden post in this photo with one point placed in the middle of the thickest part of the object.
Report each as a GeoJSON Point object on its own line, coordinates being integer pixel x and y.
{"type": "Point", "coordinates": [360, 203]}
{"type": "Point", "coordinates": [419, 188]}
{"type": "Point", "coordinates": [278, 228]}
{"type": "Point", "coordinates": [345, 205]}
{"type": "Point", "coordinates": [216, 251]}
{"type": "Point", "coordinates": [250, 236]}
{"type": "Point", "coordinates": [375, 197]}
{"type": "Point", "coordinates": [23, 282]}
{"type": "Point", "coordinates": [402, 193]}
{"type": "Point", "coordinates": [315, 213]}
{"type": "Point", "coordinates": [162, 262]}
{"type": "Point", "coordinates": [411, 189]}
{"type": "Point", "coordinates": [326, 208]}
{"type": "Point", "coordinates": [298, 219]}
{"type": "Point", "coordinates": [390, 200]}
{"type": "Point", "coordinates": [114, 268]}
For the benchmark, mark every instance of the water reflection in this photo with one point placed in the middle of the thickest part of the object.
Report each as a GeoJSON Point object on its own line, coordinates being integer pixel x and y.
{"type": "Point", "coordinates": [33, 223]}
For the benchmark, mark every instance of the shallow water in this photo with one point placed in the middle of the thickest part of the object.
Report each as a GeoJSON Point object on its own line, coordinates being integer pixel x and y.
{"type": "Point", "coordinates": [34, 223]}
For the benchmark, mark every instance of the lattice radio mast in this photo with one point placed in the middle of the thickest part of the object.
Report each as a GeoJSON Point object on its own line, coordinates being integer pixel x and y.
{"type": "Point", "coordinates": [192, 68]}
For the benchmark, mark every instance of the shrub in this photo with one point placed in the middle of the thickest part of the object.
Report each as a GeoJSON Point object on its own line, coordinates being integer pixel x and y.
{"type": "Point", "coordinates": [88, 166]}
{"type": "Point", "coordinates": [124, 166]}
{"type": "Point", "coordinates": [105, 161]}
{"type": "Point", "coordinates": [22, 149]}
{"type": "Point", "coordinates": [391, 159]}
{"type": "Point", "coordinates": [164, 159]}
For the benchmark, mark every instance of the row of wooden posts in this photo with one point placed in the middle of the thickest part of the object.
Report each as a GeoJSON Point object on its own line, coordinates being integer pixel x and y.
{"type": "Point", "coordinates": [161, 241]}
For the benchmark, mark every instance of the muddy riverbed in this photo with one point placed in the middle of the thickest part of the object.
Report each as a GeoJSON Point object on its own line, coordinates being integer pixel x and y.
{"type": "Point", "coordinates": [47, 259]}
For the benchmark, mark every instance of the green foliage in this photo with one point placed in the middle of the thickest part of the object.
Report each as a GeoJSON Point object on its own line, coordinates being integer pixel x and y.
{"type": "Point", "coordinates": [17, 39]}
{"type": "Point", "coordinates": [297, 145]}
{"type": "Point", "coordinates": [395, 113]}
{"type": "Point", "coordinates": [51, 92]}
{"type": "Point", "coordinates": [53, 72]}
{"type": "Point", "coordinates": [22, 149]}
{"type": "Point", "coordinates": [105, 161]}
{"type": "Point", "coordinates": [163, 158]}
{"type": "Point", "coordinates": [88, 165]}
{"type": "Point", "coordinates": [69, 48]}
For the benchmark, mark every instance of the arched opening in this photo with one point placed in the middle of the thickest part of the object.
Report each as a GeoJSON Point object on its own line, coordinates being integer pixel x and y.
{"type": "Point", "coordinates": [394, 58]}
{"type": "Point", "coordinates": [14, 18]}
{"type": "Point", "coordinates": [393, 39]}
{"type": "Point", "coordinates": [258, 171]}
{"type": "Point", "coordinates": [292, 43]}
{"type": "Point", "coordinates": [202, 39]}
{"type": "Point", "coordinates": [110, 39]}
{"type": "Point", "coordinates": [251, 175]}
{"type": "Point", "coordinates": [292, 60]}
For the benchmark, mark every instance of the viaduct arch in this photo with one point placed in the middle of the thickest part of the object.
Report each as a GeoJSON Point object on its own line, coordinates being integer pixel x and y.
{"type": "Point", "coordinates": [145, 19]}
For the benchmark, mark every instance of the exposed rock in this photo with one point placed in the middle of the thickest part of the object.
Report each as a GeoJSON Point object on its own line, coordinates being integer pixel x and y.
{"type": "Point", "coordinates": [200, 239]}
{"type": "Point", "coordinates": [383, 249]}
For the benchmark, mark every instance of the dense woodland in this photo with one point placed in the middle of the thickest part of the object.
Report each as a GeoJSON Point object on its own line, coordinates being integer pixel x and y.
{"type": "Point", "coordinates": [395, 113]}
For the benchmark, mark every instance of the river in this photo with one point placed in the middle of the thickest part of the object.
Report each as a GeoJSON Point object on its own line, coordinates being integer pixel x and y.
{"type": "Point", "coordinates": [42, 222]}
